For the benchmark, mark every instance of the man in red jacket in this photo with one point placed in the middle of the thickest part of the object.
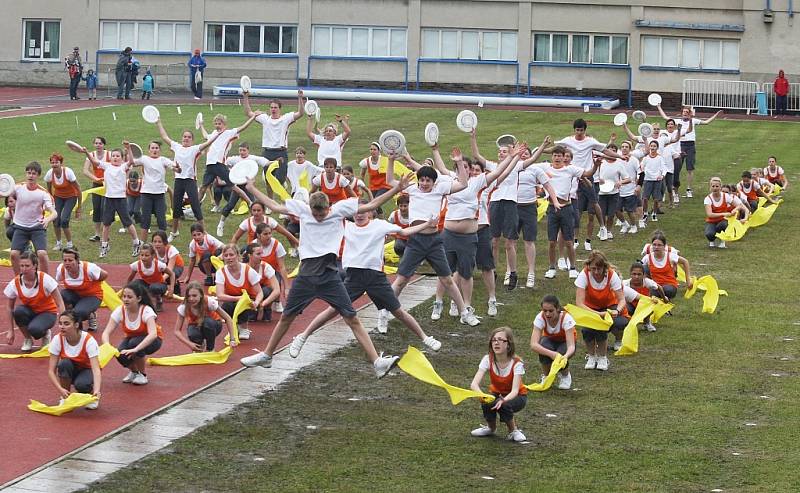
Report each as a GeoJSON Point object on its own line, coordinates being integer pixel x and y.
{"type": "Point", "coordinates": [781, 88]}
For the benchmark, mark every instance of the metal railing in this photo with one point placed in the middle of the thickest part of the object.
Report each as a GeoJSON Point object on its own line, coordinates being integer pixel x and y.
{"type": "Point", "coordinates": [169, 78]}
{"type": "Point", "coordinates": [793, 98]}
{"type": "Point", "coordinates": [721, 94]}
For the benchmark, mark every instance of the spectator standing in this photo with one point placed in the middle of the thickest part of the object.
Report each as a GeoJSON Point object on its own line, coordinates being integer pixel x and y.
{"type": "Point", "coordinates": [781, 89]}
{"type": "Point", "coordinates": [91, 84]}
{"type": "Point", "coordinates": [74, 68]}
{"type": "Point", "coordinates": [148, 83]}
{"type": "Point", "coordinates": [197, 64]}
{"type": "Point", "coordinates": [123, 73]}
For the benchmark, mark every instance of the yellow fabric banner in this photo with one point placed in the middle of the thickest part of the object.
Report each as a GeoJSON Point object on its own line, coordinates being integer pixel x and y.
{"type": "Point", "coordinates": [588, 318]}
{"type": "Point", "coordinates": [107, 353]}
{"type": "Point", "coordinates": [217, 262]}
{"type": "Point", "coordinates": [388, 253]}
{"type": "Point", "coordinates": [245, 303]}
{"type": "Point", "coordinates": [417, 365]}
{"type": "Point", "coordinates": [763, 213]}
{"type": "Point", "coordinates": [541, 208]}
{"type": "Point", "coordinates": [74, 401]}
{"type": "Point", "coordinates": [712, 293]}
{"type": "Point", "coordinates": [241, 209]}
{"type": "Point", "coordinates": [274, 184]}
{"type": "Point", "coordinates": [630, 336]}
{"type": "Point", "coordinates": [735, 230]}
{"type": "Point", "coordinates": [558, 364]}
{"type": "Point", "coordinates": [42, 352]}
{"type": "Point", "coordinates": [111, 299]}
{"type": "Point", "coordinates": [294, 273]}
{"type": "Point", "coordinates": [207, 358]}
{"type": "Point", "coordinates": [5, 262]}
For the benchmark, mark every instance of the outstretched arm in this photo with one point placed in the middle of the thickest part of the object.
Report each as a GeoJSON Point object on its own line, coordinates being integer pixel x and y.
{"type": "Point", "coordinates": [301, 108]}
{"type": "Point", "coordinates": [410, 162]}
{"type": "Point", "coordinates": [163, 133]}
{"type": "Point", "coordinates": [248, 111]}
{"type": "Point", "coordinates": [473, 142]}
{"type": "Point", "coordinates": [438, 163]}
{"type": "Point", "coordinates": [310, 128]}
{"type": "Point", "coordinates": [537, 153]}
{"type": "Point", "coordinates": [661, 112]}
{"type": "Point", "coordinates": [345, 121]}
{"type": "Point", "coordinates": [248, 122]}
{"type": "Point", "coordinates": [711, 118]}
{"type": "Point", "coordinates": [383, 198]}
{"type": "Point", "coordinates": [264, 198]}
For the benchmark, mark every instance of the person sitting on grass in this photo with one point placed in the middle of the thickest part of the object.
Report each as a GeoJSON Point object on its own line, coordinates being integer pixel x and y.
{"type": "Point", "coordinates": [202, 247]}
{"type": "Point", "coordinates": [752, 190]}
{"type": "Point", "coordinates": [203, 317]}
{"type": "Point", "coordinates": [151, 272]}
{"type": "Point", "coordinates": [639, 285]}
{"type": "Point", "coordinates": [775, 174]}
{"type": "Point", "coordinates": [505, 370]}
{"type": "Point", "coordinates": [662, 265]}
{"type": "Point", "coordinates": [74, 360]}
{"type": "Point", "coordinates": [720, 207]}
{"type": "Point", "coordinates": [554, 333]}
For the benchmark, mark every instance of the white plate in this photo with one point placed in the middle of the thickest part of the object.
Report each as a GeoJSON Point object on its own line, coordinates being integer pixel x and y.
{"type": "Point", "coordinates": [7, 184]}
{"type": "Point", "coordinates": [431, 133]}
{"type": "Point", "coordinates": [150, 113]}
{"type": "Point", "coordinates": [245, 83]}
{"type": "Point", "coordinates": [198, 121]}
{"type": "Point", "coordinates": [506, 140]}
{"type": "Point", "coordinates": [392, 141]}
{"type": "Point", "coordinates": [639, 115]}
{"type": "Point", "coordinates": [466, 121]}
{"type": "Point", "coordinates": [318, 114]}
{"type": "Point", "coordinates": [646, 130]}
{"type": "Point", "coordinates": [74, 146]}
{"type": "Point", "coordinates": [244, 170]}
{"type": "Point", "coordinates": [311, 107]}
{"type": "Point", "coordinates": [654, 99]}
{"type": "Point", "coordinates": [607, 187]}
{"type": "Point", "coordinates": [136, 151]}
{"type": "Point", "coordinates": [620, 119]}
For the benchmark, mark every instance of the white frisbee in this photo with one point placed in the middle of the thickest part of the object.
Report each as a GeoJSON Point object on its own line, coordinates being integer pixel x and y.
{"type": "Point", "coordinates": [136, 150]}
{"type": "Point", "coordinates": [74, 146]}
{"type": "Point", "coordinates": [645, 130]}
{"type": "Point", "coordinates": [150, 113]}
{"type": "Point", "coordinates": [311, 107]}
{"type": "Point", "coordinates": [431, 133]}
{"type": "Point", "coordinates": [245, 83]}
{"type": "Point", "coordinates": [244, 170]}
{"type": "Point", "coordinates": [654, 99]}
{"type": "Point", "coordinates": [198, 121]}
{"type": "Point", "coordinates": [392, 142]}
{"type": "Point", "coordinates": [505, 140]}
{"type": "Point", "coordinates": [639, 115]}
{"type": "Point", "coordinates": [620, 119]}
{"type": "Point", "coordinates": [7, 184]}
{"type": "Point", "coordinates": [466, 121]}
{"type": "Point", "coordinates": [607, 187]}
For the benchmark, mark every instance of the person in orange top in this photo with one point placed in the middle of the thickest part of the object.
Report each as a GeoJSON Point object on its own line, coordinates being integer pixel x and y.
{"type": "Point", "coordinates": [274, 254]}
{"type": "Point", "coordinates": [721, 207]}
{"type": "Point", "coordinates": [74, 359]}
{"type": "Point", "coordinates": [333, 184]}
{"type": "Point", "coordinates": [270, 287]}
{"type": "Point", "coordinates": [371, 166]}
{"type": "Point", "coordinates": [231, 280]}
{"type": "Point", "coordinates": [64, 187]}
{"type": "Point", "coordinates": [257, 217]}
{"type": "Point", "coordinates": [95, 173]}
{"type": "Point", "coordinates": [358, 186]}
{"type": "Point", "coordinates": [142, 336]}
{"type": "Point", "coordinates": [662, 265]}
{"type": "Point", "coordinates": [39, 302]}
{"type": "Point", "coordinates": [82, 286]}
{"type": "Point", "coordinates": [167, 253]}
{"type": "Point", "coordinates": [505, 370]}
{"type": "Point", "coordinates": [151, 273]}
{"type": "Point", "coordinates": [203, 317]}
{"type": "Point", "coordinates": [400, 217]}
{"type": "Point", "coordinates": [554, 333]}
{"type": "Point", "coordinates": [774, 173]}
{"type": "Point", "coordinates": [752, 190]}
{"type": "Point", "coordinates": [599, 288]}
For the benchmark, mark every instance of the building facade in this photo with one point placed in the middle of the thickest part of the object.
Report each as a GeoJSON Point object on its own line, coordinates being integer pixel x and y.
{"type": "Point", "coordinates": [595, 47]}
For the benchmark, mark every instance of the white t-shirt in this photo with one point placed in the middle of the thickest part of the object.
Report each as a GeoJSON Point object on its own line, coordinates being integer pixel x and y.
{"type": "Point", "coordinates": [632, 168]}
{"type": "Point", "coordinates": [266, 251]}
{"type": "Point", "coordinates": [219, 148]}
{"type": "Point", "coordinates": [275, 131]}
{"type": "Point", "coordinates": [208, 241]}
{"type": "Point", "coordinates": [186, 157]}
{"type": "Point", "coordinates": [318, 238]}
{"type": "Point", "coordinates": [260, 160]}
{"type": "Point", "coordinates": [155, 171]}
{"type": "Point", "coordinates": [48, 283]}
{"type": "Point", "coordinates": [529, 178]}
{"type": "Point", "coordinates": [92, 349]}
{"type": "Point", "coordinates": [63, 276]}
{"type": "Point", "coordinates": [507, 189]}
{"type": "Point", "coordinates": [671, 257]}
{"type": "Point", "coordinates": [424, 205]}
{"type": "Point", "coordinates": [724, 197]}
{"type": "Point", "coordinates": [583, 280]}
{"type": "Point", "coordinates": [115, 179]}
{"type": "Point", "coordinates": [213, 305]}
{"type": "Point", "coordinates": [253, 276]}
{"type": "Point", "coordinates": [363, 245]}
{"type": "Point", "coordinates": [329, 148]}
{"type": "Point", "coordinates": [562, 180]}
{"type": "Point", "coordinates": [31, 205]}
{"type": "Point", "coordinates": [342, 181]}
{"type": "Point", "coordinates": [613, 171]}
{"type": "Point", "coordinates": [653, 167]}
{"type": "Point", "coordinates": [519, 368]}
{"type": "Point", "coordinates": [464, 204]}
{"type": "Point", "coordinates": [50, 176]}
{"type": "Point", "coordinates": [248, 223]}
{"type": "Point", "coordinates": [171, 253]}
{"type": "Point", "coordinates": [582, 150]}
{"type": "Point", "coordinates": [148, 271]}
{"type": "Point", "coordinates": [778, 172]}
{"type": "Point", "coordinates": [483, 204]}
{"type": "Point", "coordinates": [542, 324]}
{"type": "Point", "coordinates": [690, 136]}
{"type": "Point", "coordinates": [133, 323]}
{"type": "Point", "coordinates": [294, 171]}
{"type": "Point", "coordinates": [631, 294]}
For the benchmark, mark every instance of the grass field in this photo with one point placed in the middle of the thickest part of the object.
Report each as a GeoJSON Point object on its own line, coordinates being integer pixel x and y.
{"type": "Point", "coordinates": [675, 417]}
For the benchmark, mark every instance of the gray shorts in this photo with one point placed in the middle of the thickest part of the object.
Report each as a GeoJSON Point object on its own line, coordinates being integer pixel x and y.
{"type": "Point", "coordinates": [668, 181]}
{"type": "Point", "coordinates": [420, 247]}
{"type": "Point", "coordinates": [328, 287]}
{"type": "Point", "coordinates": [22, 236]}
{"type": "Point", "coordinates": [484, 258]}
{"type": "Point", "coordinates": [630, 203]}
{"type": "Point", "coordinates": [118, 206]}
{"type": "Point", "coordinates": [562, 220]}
{"type": "Point", "coordinates": [652, 189]}
{"type": "Point", "coordinates": [609, 204]}
{"type": "Point", "coordinates": [460, 249]}
{"type": "Point", "coordinates": [528, 217]}
{"type": "Point", "coordinates": [553, 345]}
{"type": "Point", "coordinates": [587, 196]}
{"type": "Point", "coordinates": [503, 219]}
{"type": "Point", "coordinates": [374, 284]}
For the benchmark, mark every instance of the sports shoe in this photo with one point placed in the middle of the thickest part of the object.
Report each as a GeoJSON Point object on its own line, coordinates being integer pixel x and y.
{"type": "Point", "coordinates": [602, 363]}
{"type": "Point", "coordinates": [244, 334]}
{"type": "Point", "coordinates": [27, 344]}
{"type": "Point", "coordinates": [688, 193]}
{"type": "Point", "coordinates": [468, 317]}
{"type": "Point", "coordinates": [712, 244]}
{"type": "Point", "coordinates": [562, 263]}
{"type": "Point", "coordinates": [293, 252]}
{"type": "Point", "coordinates": [453, 309]}
{"type": "Point", "coordinates": [531, 280]}
{"type": "Point", "coordinates": [139, 379]}
{"type": "Point", "coordinates": [675, 199]}
{"type": "Point", "coordinates": [214, 208]}
{"type": "Point", "coordinates": [92, 322]}
{"type": "Point", "coordinates": [633, 230]}
{"type": "Point", "coordinates": [618, 223]}
{"type": "Point", "coordinates": [564, 382]}
{"type": "Point", "coordinates": [625, 228]}
{"type": "Point", "coordinates": [512, 281]}
{"type": "Point", "coordinates": [516, 436]}
{"type": "Point", "coordinates": [507, 279]}
{"type": "Point", "coordinates": [573, 273]}
{"type": "Point", "coordinates": [104, 250]}
{"type": "Point", "coordinates": [587, 245]}
{"type": "Point", "coordinates": [650, 327]}
{"type": "Point", "coordinates": [258, 359]}
{"type": "Point", "coordinates": [432, 343]}
{"type": "Point", "coordinates": [94, 238]}
{"type": "Point", "coordinates": [603, 234]}
{"type": "Point", "coordinates": [277, 307]}
{"type": "Point", "coordinates": [617, 345]}
{"type": "Point", "coordinates": [436, 313]}
{"type": "Point", "coordinates": [69, 244]}
{"type": "Point", "coordinates": [221, 227]}
{"type": "Point", "coordinates": [721, 244]}
{"type": "Point", "coordinates": [609, 235]}
{"type": "Point", "coordinates": [591, 362]}
{"type": "Point", "coordinates": [172, 236]}
{"type": "Point", "coordinates": [45, 340]}
{"type": "Point", "coordinates": [654, 217]}
{"type": "Point", "coordinates": [57, 245]}
{"type": "Point", "coordinates": [136, 247]}
{"type": "Point", "coordinates": [122, 230]}
{"type": "Point", "coordinates": [492, 309]}
{"type": "Point", "coordinates": [129, 377]}
{"type": "Point", "coordinates": [296, 345]}
{"type": "Point", "coordinates": [483, 431]}
{"type": "Point", "coordinates": [551, 273]}
{"type": "Point", "coordinates": [93, 405]}
{"type": "Point", "coordinates": [642, 224]}
{"type": "Point", "coordinates": [383, 321]}
{"type": "Point", "coordinates": [383, 364]}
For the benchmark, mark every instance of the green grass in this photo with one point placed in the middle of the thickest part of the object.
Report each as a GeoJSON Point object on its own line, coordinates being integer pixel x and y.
{"type": "Point", "coordinates": [667, 419]}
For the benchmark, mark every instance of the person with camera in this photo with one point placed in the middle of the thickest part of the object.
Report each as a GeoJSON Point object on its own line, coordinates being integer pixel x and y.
{"type": "Point", "coordinates": [124, 74]}
{"type": "Point", "coordinates": [74, 67]}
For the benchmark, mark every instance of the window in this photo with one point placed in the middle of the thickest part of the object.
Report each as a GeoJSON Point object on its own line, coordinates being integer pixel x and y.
{"type": "Point", "coordinates": [251, 38]}
{"type": "Point", "coordinates": [360, 41]}
{"type": "Point", "coordinates": [469, 45]}
{"type": "Point", "coordinates": [580, 48]}
{"type": "Point", "coordinates": [42, 40]}
{"type": "Point", "coordinates": [145, 36]}
{"type": "Point", "coordinates": [713, 54]}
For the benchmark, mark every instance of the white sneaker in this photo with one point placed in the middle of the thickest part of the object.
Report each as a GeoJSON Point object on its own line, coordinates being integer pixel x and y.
{"type": "Point", "coordinates": [383, 321]}
{"type": "Point", "coordinates": [46, 338]}
{"type": "Point", "coordinates": [221, 227]}
{"type": "Point", "coordinates": [215, 208]}
{"type": "Point", "coordinates": [625, 228]}
{"type": "Point", "coordinates": [27, 344]}
{"type": "Point", "coordinates": [650, 327]}
{"type": "Point", "coordinates": [436, 313]}
{"type": "Point", "coordinates": [591, 362]}
{"type": "Point", "coordinates": [129, 377]}
{"type": "Point", "coordinates": [135, 249]}
{"type": "Point", "coordinates": [483, 431]}
{"type": "Point", "coordinates": [564, 382]}
{"type": "Point", "coordinates": [432, 343]}
{"type": "Point", "coordinates": [244, 334]}
{"type": "Point", "coordinates": [122, 230]}
{"type": "Point", "coordinates": [551, 273]}
{"type": "Point", "coordinates": [633, 230]}
{"type": "Point", "coordinates": [57, 245]}
{"type": "Point", "coordinates": [296, 345]}
{"type": "Point", "coordinates": [516, 436]}
{"type": "Point", "coordinates": [573, 274]}
{"type": "Point", "coordinates": [93, 405]}
{"type": "Point", "coordinates": [587, 245]}
{"type": "Point", "coordinates": [603, 234]}
{"type": "Point", "coordinates": [617, 345]}
{"type": "Point", "coordinates": [383, 364]}
{"type": "Point", "coordinates": [654, 217]}
{"type": "Point", "coordinates": [293, 252]}
{"type": "Point", "coordinates": [676, 199]}
{"type": "Point", "coordinates": [642, 224]}
{"type": "Point", "coordinates": [453, 309]}
{"type": "Point", "coordinates": [562, 263]}
{"type": "Point", "coordinates": [492, 309]}
{"type": "Point", "coordinates": [258, 359]}
{"type": "Point", "coordinates": [139, 379]}
{"type": "Point", "coordinates": [507, 279]}
{"type": "Point", "coordinates": [531, 280]}
{"type": "Point", "coordinates": [721, 244]}
{"type": "Point", "coordinates": [712, 244]}
{"type": "Point", "coordinates": [104, 250]}
{"type": "Point", "coordinates": [602, 363]}
{"type": "Point", "coordinates": [618, 223]}
{"type": "Point", "coordinates": [609, 235]}
{"type": "Point", "coordinates": [277, 307]}
{"type": "Point", "coordinates": [172, 236]}
{"type": "Point", "coordinates": [688, 193]}
{"type": "Point", "coordinates": [468, 317]}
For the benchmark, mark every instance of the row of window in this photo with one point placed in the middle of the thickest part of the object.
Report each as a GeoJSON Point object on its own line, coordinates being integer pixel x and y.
{"type": "Point", "coordinates": [42, 38]}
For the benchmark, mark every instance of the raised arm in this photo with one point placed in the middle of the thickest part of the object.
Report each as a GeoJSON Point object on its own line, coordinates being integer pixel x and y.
{"type": "Point", "coordinates": [630, 133]}
{"type": "Point", "coordinates": [438, 163]}
{"type": "Point", "coordinates": [345, 121]}
{"type": "Point", "coordinates": [301, 107]}
{"type": "Point", "coordinates": [473, 143]}
{"type": "Point", "coordinates": [390, 179]}
{"type": "Point", "coordinates": [205, 145]}
{"type": "Point", "coordinates": [88, 172]}
{"type": "Point", "coordinates": [410, 162]}
{"type": "Point", "coordinates": [265, 199]}
{"type": "Point", "coordinates": [163, 133]}
{"type": "Point", "coordinates": [661, 112]}
{"type": "Point", "coordinates": [711, 118]}
{"type": "Point", "coordinates": [537, 153]}
{"type": "Point", "coordinates": [310, 128]}
{"type": "Point", "coordinates": [462, 176]}
{"type": "Point", "coordinates": [248, 111]}
{"type": "Point", "coordinates": [384, 197]}
{"type": "Point", "coordinates": [247, 123]}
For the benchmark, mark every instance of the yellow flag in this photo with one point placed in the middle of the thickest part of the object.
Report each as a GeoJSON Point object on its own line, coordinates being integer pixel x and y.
{"type": "Point", "coordinates": [304, 181]}
{"type": "Point", "coordinates": [735, 230]}
{"type": "Point", "coordinates": [589, 318]}
{"type": "Point", "coordinates": [630, 336]}
{"type": "Point", "coordinates": [388, 253]}
{"type": "Point", "coordinates": [273, 182]}
{"type": "Point", "coordinates": [388, 269]}
{"type": "Point", "coordinates": [101, 191]}
{"type": "Point", "coordinates": [712, 293]}
{"type": "Point", "coordinates": [541, 208]}
{"type": "Point", "coordinates": [244, 304]}
{"type": "Point", "coordinates": [107, 353]}
{"type": "Point", "coordinates": [294, 273]}
{"type": "Point", "coordinates": [558, 364]}
{"type": "Point", "coordinates": [417, 365]}
{"type": "Point", "coordinates": [212, 290]}
{"type": "Point", "coordinates": [217, 262]}
{"type": "Point", "coordinates": [241, 208]}
{"type": "Point", "coordinates": [111, 299]}
{"type": "Point", "coordinates": [762, 214]}
{"type": "Point", "coordinates": [42, 352]}
{"type": "Point", "coordinates": [399, 168]}
{"type": "Point", "coordinates": [207, 358]}
{"type": "Point", "coordinates": [74, 401]}
{"type": "Point", "coordinates": [5, 262]}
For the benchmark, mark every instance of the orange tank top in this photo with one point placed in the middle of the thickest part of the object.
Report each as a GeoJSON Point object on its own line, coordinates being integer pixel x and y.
{"type": "Point", "coordinates": [40, 302]}
{"type": "Point", "coordinates": [65, 189]}
{"type": "Point", "coordinates": [142, 329]}
{"type": "Point", "coordinates": [377, 180]}
{"type": "Point", "coordinates": [751, 193]}
{"type": "Point", "coordinates": [87, 287]}
{"type": "Point", "coordinates": [270, 254]}
{"type": "Point", "coordinates": [398, 220]}
{"type": "Point", "coordinates": [561, 335]}
{"type": "Point", "coordinates": [334, 193]}
{"type": "Point", "coordinates": [97, 171]}
{"type": "Point", "coordinates": [157, 276]}
{"type": "Point", "coordinates": [723, 206]}
{"type": "Point", "coordinates": [643, 290]}
{"type": "Point", "coordinates": [599, 299]}
{"type": "Point", "coordinates": [82, 360]}
{"type": "Point", "coordinates": [503, 385]}
{"type": "Point", "coordinates": [773, 178]}
{"type": "Point", "coordinates": [232, 290]}
{"type": "Point", "coordinates": [192, 318]}
{"type": "Point", "coordinates": [178, 258]}
{"type": "Point", "coordinates": [662, 275]}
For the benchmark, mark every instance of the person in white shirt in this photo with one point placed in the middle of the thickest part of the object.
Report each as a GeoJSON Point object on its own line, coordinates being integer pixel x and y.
{"type": "Point", "coordinates": [296, 169]}
{"type": "Point", "coordinates": [275, 133]}
{"type": "Point", "coordinates": [630, 202]}
{"type": "Point", "coordinates": [185, 156]}
{"type": "Point", "coordinates": [154, 187]}
{"type": "Point", "coordinates": [654, 169]}
{"type": "Point", "coordinates": [775, 174]}
{"type": "Point", "coordinates": [95, 174]}
{"type": "Point", "coordinates": [30, 221]}
{"type": "Point", "coordinates": [611, 171]}
{"type": "Point", "coordinates": [721, 207]}
{"type": "Point", "coordinates": [321, 233]}
{"type": "Point", "coordinates": [66, 191]}
{"type": "Point", "coordinates": [553, 334]}
{"type": "Point", "coordinates": [329, 144]}
{"type": "Point", "coordinates": [638, 286]}
{"type": "Point", "coordinates": [236, 192]}
{"type": "Point", "coordinates": [74, 359]}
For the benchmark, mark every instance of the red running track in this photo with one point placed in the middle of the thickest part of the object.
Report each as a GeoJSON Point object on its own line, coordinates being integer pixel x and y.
{"type": "Point", "coordinates": [39, 438]}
